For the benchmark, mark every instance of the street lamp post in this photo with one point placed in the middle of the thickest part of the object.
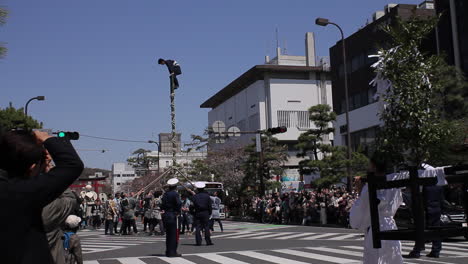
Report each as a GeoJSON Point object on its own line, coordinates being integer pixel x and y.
{"type": "Point", "coordinates": [39, 98]}
{"type": "Point", "coordinates": [324, 22]}
{"type": "Point", "coordinates": [159, 149]}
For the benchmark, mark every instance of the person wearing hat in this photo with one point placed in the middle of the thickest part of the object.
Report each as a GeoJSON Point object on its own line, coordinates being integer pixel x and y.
{"type": "Point", "coordinates": [203, 208]}
{"type": "Point", "coordinates": [171, 205]}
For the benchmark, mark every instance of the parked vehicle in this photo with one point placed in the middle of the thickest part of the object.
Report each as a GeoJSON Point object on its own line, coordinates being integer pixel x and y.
{"type": "Point", "coordinates": [452, 215]}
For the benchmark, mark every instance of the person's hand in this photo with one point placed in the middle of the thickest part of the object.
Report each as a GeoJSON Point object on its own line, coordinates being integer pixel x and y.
{"type": "Point", "coordinates": [41, 136]}
{"type": "Point", "coordinates": [48, 161]}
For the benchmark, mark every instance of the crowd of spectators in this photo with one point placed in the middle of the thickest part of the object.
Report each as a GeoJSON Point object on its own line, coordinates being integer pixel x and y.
{"type": "Point", "coordinates": [317, 206]}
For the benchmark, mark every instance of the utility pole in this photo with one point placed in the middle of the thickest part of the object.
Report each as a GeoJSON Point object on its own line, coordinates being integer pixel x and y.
{"type": "Point", "coordinates": [173, 122]}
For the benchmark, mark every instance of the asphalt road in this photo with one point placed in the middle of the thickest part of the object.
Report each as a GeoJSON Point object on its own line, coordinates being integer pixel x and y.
{"type": "Point", "coordinates": [243, 242]}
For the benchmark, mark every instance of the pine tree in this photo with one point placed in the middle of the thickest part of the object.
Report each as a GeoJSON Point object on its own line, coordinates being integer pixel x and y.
{"type": "Point", "coordinates": [321, 157]}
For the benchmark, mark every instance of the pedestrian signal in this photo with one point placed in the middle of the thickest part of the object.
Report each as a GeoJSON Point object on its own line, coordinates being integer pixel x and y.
{"type": "Point", "coordinates": [277, 130]}
{"type": "Point", "coordinates": [68, 135]}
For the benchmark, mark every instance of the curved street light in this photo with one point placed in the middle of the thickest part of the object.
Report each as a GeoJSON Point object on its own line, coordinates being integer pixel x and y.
{"type": "Point", "coordinates": [39, 98]}
{"type": "Point", "coordinates": [325, 22]}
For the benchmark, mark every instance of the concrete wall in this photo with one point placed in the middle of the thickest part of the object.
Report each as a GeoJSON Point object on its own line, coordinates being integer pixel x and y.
{"type": "Point", "coordinates": [296, 95]}
{"type": "Point", "coordinates": [121, 173]}
{"type": "Point", "coordinates": [359, 119]}
{"type": "Point", "coordinates": [245, 110]}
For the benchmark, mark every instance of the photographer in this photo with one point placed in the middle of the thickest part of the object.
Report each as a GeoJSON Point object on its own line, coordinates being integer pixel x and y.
{"type": "Point", "coordinates": [25, 191]}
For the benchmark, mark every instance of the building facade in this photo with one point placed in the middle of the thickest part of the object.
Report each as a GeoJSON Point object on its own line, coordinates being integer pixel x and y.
{"type": "Point", "coordinates": [363, 106]}
{"type": "Point", "coordinates": [277, 93]}
{"type": "Point", "coordinates": [184, 158]}
{"type": "Point", "coordinates": [122, 173]}
{"type": "Point", "coordinates": [452, 32]}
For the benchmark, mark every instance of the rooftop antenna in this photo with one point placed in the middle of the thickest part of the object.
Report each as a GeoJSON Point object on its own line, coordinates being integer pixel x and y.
{"type": "Point", "coordinates": [277, 39]}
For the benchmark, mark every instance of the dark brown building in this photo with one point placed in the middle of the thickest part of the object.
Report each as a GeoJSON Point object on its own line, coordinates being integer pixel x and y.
{"type": "Point", "coordinates": [366, 41]}
{"type": "Point", "coordinates": [453, 32]}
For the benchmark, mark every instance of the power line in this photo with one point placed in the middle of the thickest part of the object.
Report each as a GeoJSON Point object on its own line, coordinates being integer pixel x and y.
{"type": "Point", "coordinates": [114, 139]}
{"type": "Point", "coordinates": [100, 150]}
{"type": "Point", "coordinates": [126, 140]}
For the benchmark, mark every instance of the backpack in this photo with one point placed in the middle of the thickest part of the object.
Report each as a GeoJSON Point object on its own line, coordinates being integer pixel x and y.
{"type": "Point", "coordinates": [66, 240]}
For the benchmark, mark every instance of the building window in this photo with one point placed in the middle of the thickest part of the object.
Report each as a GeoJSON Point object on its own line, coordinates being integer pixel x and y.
{"type": "Point", "coordinates": [362, 139]}
{"type": "Point", "coordinates": [118, 183]}
{"type": "Point", "coordinates": [293, 119]}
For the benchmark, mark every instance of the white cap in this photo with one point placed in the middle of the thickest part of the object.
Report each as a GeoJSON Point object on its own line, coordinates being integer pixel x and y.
{"type": "Point", "coordinates": [200, 185]}
{"type": "Point", "coordinates": [172, 182]}
{"type": "Point", "coordinates": [89, 187]}
{"type": "Point", "coordinates": [72, 221]}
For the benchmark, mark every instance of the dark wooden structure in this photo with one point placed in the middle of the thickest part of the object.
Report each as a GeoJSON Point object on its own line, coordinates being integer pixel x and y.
{"type": "Point", "coordinates": [421, 232]}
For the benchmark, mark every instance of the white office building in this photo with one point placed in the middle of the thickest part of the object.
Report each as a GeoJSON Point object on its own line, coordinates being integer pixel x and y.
{"type": "Point", "coordinates": [183, 158]}
{"type": "Point", "coordinates": [277, 93]}
{"type": "Point", "coordinates": [121, 173]}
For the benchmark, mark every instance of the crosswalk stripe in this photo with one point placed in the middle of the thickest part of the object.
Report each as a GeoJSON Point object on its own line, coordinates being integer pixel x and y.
{"type": "Point", "coordinates": [315, 256]}
{"type": "Point", "coordinates": [344, 236]}
{"type": "Point", "coordinates": [250, 234]}
{"type": "Point", "coordinates": [273, 235]}
{"type": "Point", "coordinates": [221, 259]}
{"type": "Point", "coordinates": [111, 243]}
{"type": "Point", "coordinates": [91, 262]}
{"type": "Point", "coordinates": [176, 260]}
{"type": "Point", "coordinates": [319, 236]}
{"type": "Point", "coordinates": [435, 261]}
{"type": "Point", "coordinates": [453, 248]}
{"type": "Point", "coordinates": [448, 252]}
{"type": "Point", "coordinates": [269, 258]}
{"type": "Point", "coordinates": [131, 261]}
{"type": "Point", "coordinates": [294, 236]}
{"type": "Point", "coordinates": [339, 251]}
{"type": "Point", "coordinates": [99, 246]}
{"type": "Point", "coordinates": [460, 244]}
{"type": "Point", "coordinates": [231, 234]}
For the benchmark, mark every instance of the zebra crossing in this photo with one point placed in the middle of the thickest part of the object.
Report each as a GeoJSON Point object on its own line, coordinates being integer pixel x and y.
{"type": "Point", "coordinates": [301, 255]}
{"type": "Point", "coordinates": [93, 244]}
{"type": "Point", "coordinates": [239, 226]}
{"type": "Point", "coordinates": [290, 235]}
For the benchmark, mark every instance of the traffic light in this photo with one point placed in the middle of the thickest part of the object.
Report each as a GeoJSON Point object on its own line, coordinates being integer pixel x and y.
{"type": "Point", "coordinates": [277, 130]}
{"type": "Point", "coordinates": [68, 135]}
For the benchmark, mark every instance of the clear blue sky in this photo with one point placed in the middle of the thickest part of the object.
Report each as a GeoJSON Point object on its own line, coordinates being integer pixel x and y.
{"type": "Point", "coordinates": [95, 60]}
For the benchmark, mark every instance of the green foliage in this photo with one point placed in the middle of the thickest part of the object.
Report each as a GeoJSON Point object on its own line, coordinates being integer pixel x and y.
{"type": "Point", "coordinates": [140, 159]}
{"type": "Point", "coordinates": [334, 162]}
{"type": "Point", "coordinates": [452, 149]}
{"type": "Point", "coordinates": [413, 127]}
{"type": "Point", "coordinates": [274, 157]}
{"type": "Point", "coordinates": [453, 97]}
{"type": "Point", "coordinates": [333, 166]}
{"type": "Point", "coordinates": [11, 117]}
{"type": "Point", "coordinates": [311, 141]}
{"type": "Point", "coordinates": [200, 142]}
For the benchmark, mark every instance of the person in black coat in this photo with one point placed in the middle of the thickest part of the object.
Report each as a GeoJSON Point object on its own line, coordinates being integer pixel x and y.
{"type": "Point", "coordinates": [173, 68]}
{"type": "Point", "coordinates": [433, 199]}
{"type": "Point", "coordinates": [171, 205]}
{"type": "Point", "coordinates": [25, 190]}
{"type": "Point", "coordinates": [203, 208]}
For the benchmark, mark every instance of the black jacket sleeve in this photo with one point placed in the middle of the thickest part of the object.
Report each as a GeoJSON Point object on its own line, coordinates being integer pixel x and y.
{"type": "Point", "coordinates": [68, 167]}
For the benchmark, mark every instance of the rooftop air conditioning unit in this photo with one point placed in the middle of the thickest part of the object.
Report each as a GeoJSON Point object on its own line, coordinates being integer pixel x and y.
{"type": "Point", "coordinates": [388, 7]}
{"type": "Point", "coordinates": [378, 15]}
{"type": "Point", "coordinates": [427, 5]}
